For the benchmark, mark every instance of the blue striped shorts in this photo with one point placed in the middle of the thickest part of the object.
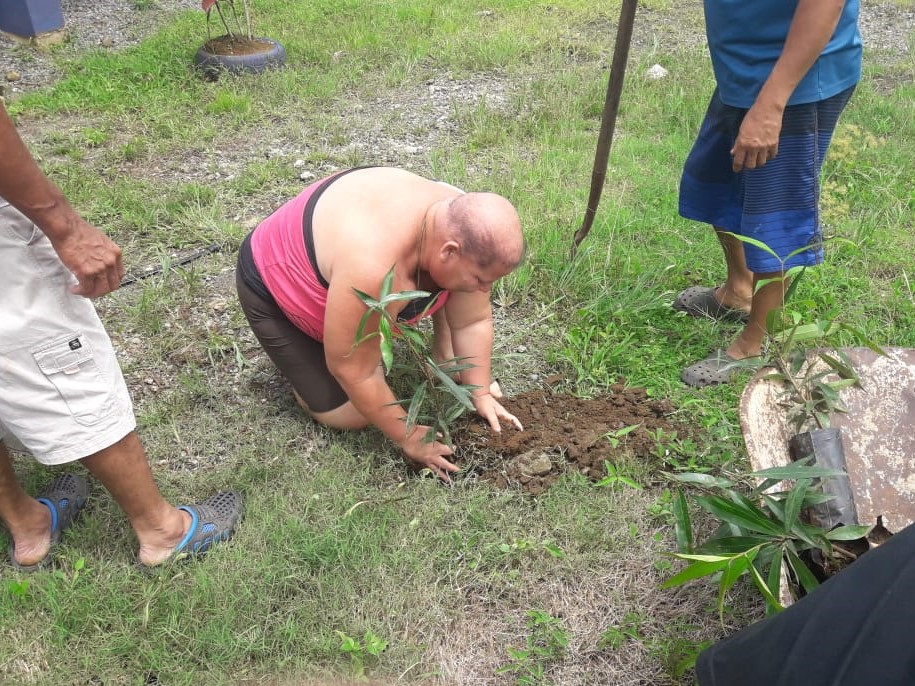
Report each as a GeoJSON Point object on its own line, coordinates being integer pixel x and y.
{"type": "Point", "coordinates": [778, 203]}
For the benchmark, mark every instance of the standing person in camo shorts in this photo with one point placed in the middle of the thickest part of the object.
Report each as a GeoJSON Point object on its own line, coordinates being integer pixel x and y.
{"type": "Point", "coordinates": [62, 395]}
{"type": "Point", "coordinates": [785, 69]}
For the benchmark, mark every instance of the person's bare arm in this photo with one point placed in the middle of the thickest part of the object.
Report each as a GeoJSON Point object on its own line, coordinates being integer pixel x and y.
{"type": "Point", "coordinates": [93, 258]}
{"type": "Point", "coordinates": [470, 320]}
{"type": "Point", "coordinates": [358, 368]}
{"type": "Point", "coordinates": [813, 25]}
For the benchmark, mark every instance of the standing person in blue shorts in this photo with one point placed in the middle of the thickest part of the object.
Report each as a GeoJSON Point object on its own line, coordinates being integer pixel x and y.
{"type": "Point", "coordinates": [785, 69]}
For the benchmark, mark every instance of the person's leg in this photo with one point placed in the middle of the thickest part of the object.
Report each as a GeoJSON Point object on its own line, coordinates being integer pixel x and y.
{"type": "Point", "coordinates": [124, 471]}
{"type": "Point", "coordinates": [771, 295]}
{"type": "Point", "coordinates": [300, 359]}
{"type": "Point", "coordinates": [28, 521]}
{"type": "Point", "coordinates": [737, 291]}
{"type": "Point", "coordinates": [781, 210]}
{"type": "Point", "coordinates": [711, 193]}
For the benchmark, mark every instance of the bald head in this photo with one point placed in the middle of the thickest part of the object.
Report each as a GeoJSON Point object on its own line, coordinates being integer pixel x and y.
{"type": "Point", "coordinates": [487, 227]}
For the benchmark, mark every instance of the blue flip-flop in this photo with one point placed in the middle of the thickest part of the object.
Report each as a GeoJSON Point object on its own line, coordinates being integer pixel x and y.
{"type": "Point", "coordinates": [212, 521]}
{"type": "Point", "coordinates": [65, 498]}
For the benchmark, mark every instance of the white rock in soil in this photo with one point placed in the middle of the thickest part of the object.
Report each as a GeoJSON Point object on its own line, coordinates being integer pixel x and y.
{"type": "Point", "coordinates": [656, 71]}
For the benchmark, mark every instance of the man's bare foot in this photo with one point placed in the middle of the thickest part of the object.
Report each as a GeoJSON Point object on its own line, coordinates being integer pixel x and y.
{"type": "Point", "coordinates": [157, 546]}
{"type": "Point", "coordinates": [32, 543]}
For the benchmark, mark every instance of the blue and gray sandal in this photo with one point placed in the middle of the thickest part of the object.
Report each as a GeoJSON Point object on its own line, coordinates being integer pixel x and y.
{"type": "Point", "coordinates": [212, 521]}
{"type": "Point", "coordinates": [65, 498]}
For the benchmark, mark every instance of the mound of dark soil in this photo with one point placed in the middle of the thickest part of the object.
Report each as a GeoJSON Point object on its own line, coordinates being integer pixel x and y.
{"type": "Point", "coordinates": [561, 433]}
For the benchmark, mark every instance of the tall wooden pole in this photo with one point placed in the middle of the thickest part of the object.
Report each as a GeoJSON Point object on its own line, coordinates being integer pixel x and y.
{"type": "Point", "coordinates": [608, 118]}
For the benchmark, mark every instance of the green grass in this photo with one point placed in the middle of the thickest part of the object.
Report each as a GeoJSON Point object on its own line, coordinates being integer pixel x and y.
{"type": "Point", "coordinates": [337, 536]}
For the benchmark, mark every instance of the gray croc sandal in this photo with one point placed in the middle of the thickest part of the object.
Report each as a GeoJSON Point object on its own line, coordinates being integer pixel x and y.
{"type": "Point", "coordinates": [717, 368]}
{"type": "Point", "coordinates": [65, 498]}
{"type": "Point", "coordinates": [212, 521]}
{"type": "Point", "coordinates": [700, 301]}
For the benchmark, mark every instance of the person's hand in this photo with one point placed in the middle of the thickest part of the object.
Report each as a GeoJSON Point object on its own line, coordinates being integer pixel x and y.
{"type": "Point", "coordinates": [429, 455]}
{"type": "Point", "coordinates": [757, 140]}
{"type": "Point", "coordinates": [92, 257]}
{"type": "Point", "coordinates": [491, 410]}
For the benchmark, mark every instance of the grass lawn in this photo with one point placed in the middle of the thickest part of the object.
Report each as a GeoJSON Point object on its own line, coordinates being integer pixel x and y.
{"type": "Point", "coordinates": [346, 566]}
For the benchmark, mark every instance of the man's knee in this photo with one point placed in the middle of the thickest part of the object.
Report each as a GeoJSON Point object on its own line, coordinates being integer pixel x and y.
{"type": "Point", "coordinates": [345, 417]}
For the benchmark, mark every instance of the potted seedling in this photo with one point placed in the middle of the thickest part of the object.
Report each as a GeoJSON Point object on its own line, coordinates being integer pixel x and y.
{"type": "Point", "coordinates": [235, 48]}
{"type": "Point", "coordinates": [810, 377]}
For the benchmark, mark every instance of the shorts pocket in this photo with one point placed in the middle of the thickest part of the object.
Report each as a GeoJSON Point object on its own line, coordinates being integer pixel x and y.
{"type": "Point", "coordinates": [17, 224]}
{"type": "Point", "coordinates": [68, 363]}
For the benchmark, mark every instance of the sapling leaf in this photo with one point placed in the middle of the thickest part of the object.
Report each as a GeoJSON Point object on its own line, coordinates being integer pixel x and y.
{"type": "Point", "coordinates": [771, 598]}
{"type": "Point", "coordinates": [387, 282]}
{"type": "Point", "coordinates": [850, 532]}
{"type": "Point", "coordinates": [812, 536]}
{"type": "Point", "coordinates": [697, 570]}
{"type": "Point", "coordinates": [367, 299]}
{"type": "Point", "coordinates": [801, 469]}
{"type": "Point", "coordinates": [729, 576]}
{"type": "Point", "coordinates": [730, 545]}
{"type": "Point", "coordinates": [400, 296]}
{"type": "Point", "coordinates": [453, 388]}
{"type": "Point", "coordinates": [416, 403]}
{"type": "Point", "coordinates": [699, 479]}
{"type": "Point", "coordinates": [683, 526]}
{"type": "Point", "coordinates": [795, 501]}
{"type": "Point", "coordinates": [413, 336]}
{"type": "Point", "coordinates": [454, 412]}
{"type": "Point", "coordinates": [765, 282]}
{"type": "Point", "coordinates": [774, 580]}
{"type": "Point", "coordinates": [794, 273]}
{"type": "Point", "coordinates": [804, 576]}
{"type": "Point", "coordinates": [775, 507]}
{"type": "Point", "coordinates": [754, 242]}
{"type": "Point", "coordinates": [387, 344]}
{"type": "Point", "coordinates": [738, 514]}
{"type": "Point", "coordinates": [840, 364]}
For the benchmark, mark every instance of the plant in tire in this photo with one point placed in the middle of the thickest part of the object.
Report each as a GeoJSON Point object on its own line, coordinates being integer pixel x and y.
{"type": "Point", "coordinates": [228, 15]}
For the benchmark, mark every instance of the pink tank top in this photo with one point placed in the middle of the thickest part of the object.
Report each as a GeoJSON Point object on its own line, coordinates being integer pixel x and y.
{"type": "Point", "coordinates": [278, 246]}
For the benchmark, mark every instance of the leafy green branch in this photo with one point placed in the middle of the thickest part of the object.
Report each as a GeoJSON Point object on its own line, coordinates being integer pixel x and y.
{"type": "Point", "coordinates": [761, 532]}
{"type": "Point", "coordinates": [437, 400]}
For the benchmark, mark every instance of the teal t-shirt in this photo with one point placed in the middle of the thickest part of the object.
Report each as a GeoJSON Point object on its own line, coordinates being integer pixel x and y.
{"type": "Point", "coordinates": [746, 37]}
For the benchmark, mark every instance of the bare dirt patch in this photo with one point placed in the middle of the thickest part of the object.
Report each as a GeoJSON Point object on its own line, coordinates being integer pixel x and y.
{"type": "Point", "coordinates": [563, 433]}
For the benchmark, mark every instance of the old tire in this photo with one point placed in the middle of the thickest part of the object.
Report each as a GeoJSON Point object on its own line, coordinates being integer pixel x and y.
{"type": "Point", "coordinates": [267, 54]}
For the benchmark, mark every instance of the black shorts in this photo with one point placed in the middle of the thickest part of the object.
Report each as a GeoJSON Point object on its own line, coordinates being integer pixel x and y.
{"type": "Point", "coordinates": [298, 356]}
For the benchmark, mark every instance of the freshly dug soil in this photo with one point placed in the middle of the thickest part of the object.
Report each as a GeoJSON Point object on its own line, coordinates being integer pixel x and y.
{"type": "Point", "coordinates": [562, 433]}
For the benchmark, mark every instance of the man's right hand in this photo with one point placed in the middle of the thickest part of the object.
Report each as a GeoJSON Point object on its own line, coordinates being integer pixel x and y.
{"type": "Point", "coordinates": [428, 455]}
{"type": "Point", "coordinates": [92, 257]}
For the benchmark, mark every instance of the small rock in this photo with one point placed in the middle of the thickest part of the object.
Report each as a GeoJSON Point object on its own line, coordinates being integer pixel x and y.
{"type": "Point", "coordinates": [298, 164]}
{"type": "Point", "coordinates": [13, 76]}
{"type": "Point", "coordinates": [540, 465]}
{"type": "Point", "coordinates": [521, 349]}
{"type": "Point", "coordinates": [656, 71]}
{"type": "Point", "coordinates": [306, 175]}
